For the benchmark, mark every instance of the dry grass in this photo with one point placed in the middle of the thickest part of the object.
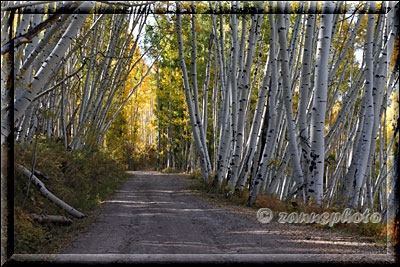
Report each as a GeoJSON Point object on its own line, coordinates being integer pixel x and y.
{"type": "Point", "coordinates": [82, 179]}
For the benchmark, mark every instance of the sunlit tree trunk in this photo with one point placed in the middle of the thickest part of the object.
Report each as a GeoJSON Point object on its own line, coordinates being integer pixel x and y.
{"type": "Point", "coordinates": [317, 128]}
{"type": "Point", "coordinates": [193, 119]}
{"type": "Point", "coordinates": [243, 93]}
{"type": "Point", "coordinates": [305, 85]}
{"type": "Point", "coordinates": [224, 118]}
{"type": "Point", "coordinates": [288, 101]}
{"type": "Point", "coordinates": [269, 121]}
{"type": "Point", "coordinates": [42, 75]}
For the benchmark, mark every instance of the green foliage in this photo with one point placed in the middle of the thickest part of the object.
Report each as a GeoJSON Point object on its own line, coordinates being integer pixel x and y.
{"type": "Point", "coordinates": [173, 116]}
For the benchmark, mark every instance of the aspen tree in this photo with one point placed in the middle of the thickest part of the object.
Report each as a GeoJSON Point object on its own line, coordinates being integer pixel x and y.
{"type": "Point", "coordinates": [317, 127]}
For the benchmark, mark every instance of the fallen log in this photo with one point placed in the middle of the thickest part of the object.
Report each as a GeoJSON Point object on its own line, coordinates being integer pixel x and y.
{"type": "Point", "coordinates": [52, 218]}
{"type": "Point", "coordinates": [42, 188]}
{"type": "Point", "coordinates": [41, 174]}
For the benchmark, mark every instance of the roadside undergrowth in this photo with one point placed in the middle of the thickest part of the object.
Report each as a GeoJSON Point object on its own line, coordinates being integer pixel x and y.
{"type": "Point", "coordinates": [170, 170]}
{"type": "Point", "coordinates": [83, 179]}
{"type": "Point", "coordinates": [377, 232]}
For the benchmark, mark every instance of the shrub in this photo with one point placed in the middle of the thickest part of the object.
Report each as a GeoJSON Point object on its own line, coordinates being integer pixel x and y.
{"type": "Point", "coordinates": [83, 179]}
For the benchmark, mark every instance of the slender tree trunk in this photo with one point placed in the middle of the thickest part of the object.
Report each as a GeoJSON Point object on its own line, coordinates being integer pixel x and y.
{"type": "Point", "coordinates": [193, 119]}
{"type": "Point", "coordinates": [361, 169]}
{"type": "Point", "coordinates": [45, 71]}
{"type": "Point", "coordinates": [158, 122]}
{"type": "Point", "coordinates": [287, 101]}
{"type": "Point", "coordinates": [316, 174]}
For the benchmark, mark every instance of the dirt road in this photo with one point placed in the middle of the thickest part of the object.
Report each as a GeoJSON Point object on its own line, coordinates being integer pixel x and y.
{"type": "Point", "coordinates": [154, 213]}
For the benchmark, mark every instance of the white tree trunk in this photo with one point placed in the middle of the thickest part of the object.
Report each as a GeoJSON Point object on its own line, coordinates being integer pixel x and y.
{"type": "Point", "coordinates": [45, 71]}
{"type": "Point", "coordinates": [42, 188]}
{"type": "Point", "coordinates": [361, 169]}
{"type": "Point", "coordinates": [288, 101]}
{"type": "Point", "coordinates": [193, 119]}
{"type": "Point", "coordinates": [315, 178]}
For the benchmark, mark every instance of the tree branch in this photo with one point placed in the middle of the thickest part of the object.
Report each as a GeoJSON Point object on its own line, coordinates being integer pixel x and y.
{"type": "Point", "coordinates": [25, 38]}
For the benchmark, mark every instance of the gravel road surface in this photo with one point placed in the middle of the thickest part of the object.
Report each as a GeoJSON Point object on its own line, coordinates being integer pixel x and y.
{"type": "Point", "coordinates": [153, 214]}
